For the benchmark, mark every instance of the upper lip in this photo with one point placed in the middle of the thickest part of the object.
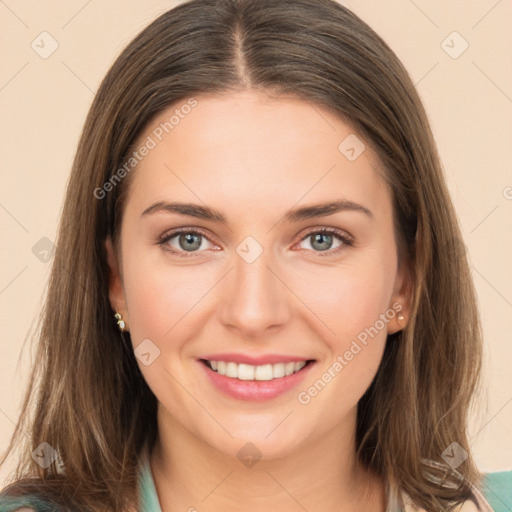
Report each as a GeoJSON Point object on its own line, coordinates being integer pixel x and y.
{"type": "Point", "coordinates": [255, 360]}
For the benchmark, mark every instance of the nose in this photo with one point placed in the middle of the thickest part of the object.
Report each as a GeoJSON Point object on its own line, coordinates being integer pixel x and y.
{"type": "Point", "coordinates": [254, 300]}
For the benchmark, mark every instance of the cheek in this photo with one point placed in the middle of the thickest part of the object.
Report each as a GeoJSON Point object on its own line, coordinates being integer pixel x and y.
{"type": "Point", "coordinates": [163, 303]}
{"type": "Point", "coordinates": [351, 301]}
{"type": "Point", "coordinates": [160, 294]}
{"type": "Point", "coordinates": [350, 297]}
{"type": "Point", "coordinates": [161, 300]}
{"type": "Point", "coordinates": [351, 304]}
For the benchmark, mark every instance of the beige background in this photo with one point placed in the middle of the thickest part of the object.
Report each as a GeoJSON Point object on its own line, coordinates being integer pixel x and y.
{"type": "Point", "coordinates": [469, 101]}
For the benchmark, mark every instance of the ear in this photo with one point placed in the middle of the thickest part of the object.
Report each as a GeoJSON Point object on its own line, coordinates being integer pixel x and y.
{"type": "Point", "coordinates": [115, 282]}
{"type": "Point", "coordinates": [401, 300]}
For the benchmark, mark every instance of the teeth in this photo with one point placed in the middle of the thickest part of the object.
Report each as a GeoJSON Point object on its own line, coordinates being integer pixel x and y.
{"type": "Point", "coordinates": [232, 370]}
{"type": "Point", "coordinates": [245, 372]}
{"type": "Point", "coordinates": [264, 372]}
{"type": "Point", "coordinates": [249, 372]}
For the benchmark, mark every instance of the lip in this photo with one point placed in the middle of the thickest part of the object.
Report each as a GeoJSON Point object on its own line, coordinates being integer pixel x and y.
{"type": "Point", "coordinates": [257, 390]}
{"type": "Point", "coordinates": [255, 360]}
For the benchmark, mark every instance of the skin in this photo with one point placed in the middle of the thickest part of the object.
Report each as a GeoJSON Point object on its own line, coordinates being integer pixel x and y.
{"type": "Point", "coordinates": [253, 158]}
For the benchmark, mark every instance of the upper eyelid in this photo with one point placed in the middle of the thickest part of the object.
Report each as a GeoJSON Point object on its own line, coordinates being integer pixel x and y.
{"type": "Point", "coordinates": [175, 232]}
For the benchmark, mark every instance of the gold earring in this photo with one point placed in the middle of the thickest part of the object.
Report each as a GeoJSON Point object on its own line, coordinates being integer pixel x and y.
{"type": "Point", "coordinates": [120, 322]}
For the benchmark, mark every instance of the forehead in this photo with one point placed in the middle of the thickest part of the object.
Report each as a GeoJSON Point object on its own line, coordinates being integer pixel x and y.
{"type": "Point", "coordinates": [246, 147]}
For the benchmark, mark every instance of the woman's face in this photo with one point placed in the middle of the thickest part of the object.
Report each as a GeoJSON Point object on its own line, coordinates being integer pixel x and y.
{"type": "Point", "coordinates": [251, 279]}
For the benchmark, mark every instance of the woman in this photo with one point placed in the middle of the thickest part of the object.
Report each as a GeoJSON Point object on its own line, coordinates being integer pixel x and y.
{"type": "Point", "coordinates": [258, 296]}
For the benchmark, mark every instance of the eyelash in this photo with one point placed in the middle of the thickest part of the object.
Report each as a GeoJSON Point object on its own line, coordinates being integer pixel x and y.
{"type": "Point", "coordinates": [341, 235]}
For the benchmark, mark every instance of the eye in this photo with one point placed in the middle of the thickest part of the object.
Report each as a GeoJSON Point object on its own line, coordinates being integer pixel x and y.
{"type": "Point", "coordinates": [322, 240]}
{"type": "Point", "coordinates": [188, 241]}
{"type": "Point", "coordinates": [185, 242]}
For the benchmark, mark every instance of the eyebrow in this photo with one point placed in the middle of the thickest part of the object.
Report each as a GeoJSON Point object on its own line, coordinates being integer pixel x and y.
{"type": "Point", "coordinates": [293, 215]}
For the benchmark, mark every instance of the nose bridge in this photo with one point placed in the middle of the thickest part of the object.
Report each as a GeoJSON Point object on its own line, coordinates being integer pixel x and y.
{"type": "Point", "coordinates": [255, 299]}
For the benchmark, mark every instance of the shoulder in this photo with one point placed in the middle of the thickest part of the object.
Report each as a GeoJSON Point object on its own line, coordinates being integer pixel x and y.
{"type": "Point", "coordinates": [497, 489]}
{"type": "Point", "coordinates": [495, 495]}
{"type": "Point", "coordinates": [24, 504]}
{"type": "Point", "coordinates": [25, 495]}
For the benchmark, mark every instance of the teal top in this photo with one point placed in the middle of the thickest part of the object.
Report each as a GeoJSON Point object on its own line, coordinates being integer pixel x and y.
{"type": "Point", "coordinates": [496, 489]}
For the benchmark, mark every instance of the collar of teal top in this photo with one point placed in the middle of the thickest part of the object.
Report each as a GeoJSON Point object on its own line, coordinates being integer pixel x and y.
{"type": "Point", "coordinates": [147, 491]}
{"type": "Point", "coordinates": [497, 488]}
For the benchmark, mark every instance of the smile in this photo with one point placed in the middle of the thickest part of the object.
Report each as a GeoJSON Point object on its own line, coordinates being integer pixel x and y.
{"type": "Point", "coordinates": [255, 383]}
{"type": "Point", "coordinates": [249, 372]}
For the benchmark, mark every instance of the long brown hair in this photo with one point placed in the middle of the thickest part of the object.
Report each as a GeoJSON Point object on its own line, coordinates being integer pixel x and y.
{"type": "Point", "coordinates": [87, 397]}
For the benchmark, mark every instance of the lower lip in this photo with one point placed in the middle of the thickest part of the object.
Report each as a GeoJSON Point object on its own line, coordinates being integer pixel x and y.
{"type": "Point", "coordinates": [255, 390]}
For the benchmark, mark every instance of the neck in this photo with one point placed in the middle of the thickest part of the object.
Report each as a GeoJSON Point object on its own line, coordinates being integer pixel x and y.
{"type": "Point", "coordinates": [323, 475]}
